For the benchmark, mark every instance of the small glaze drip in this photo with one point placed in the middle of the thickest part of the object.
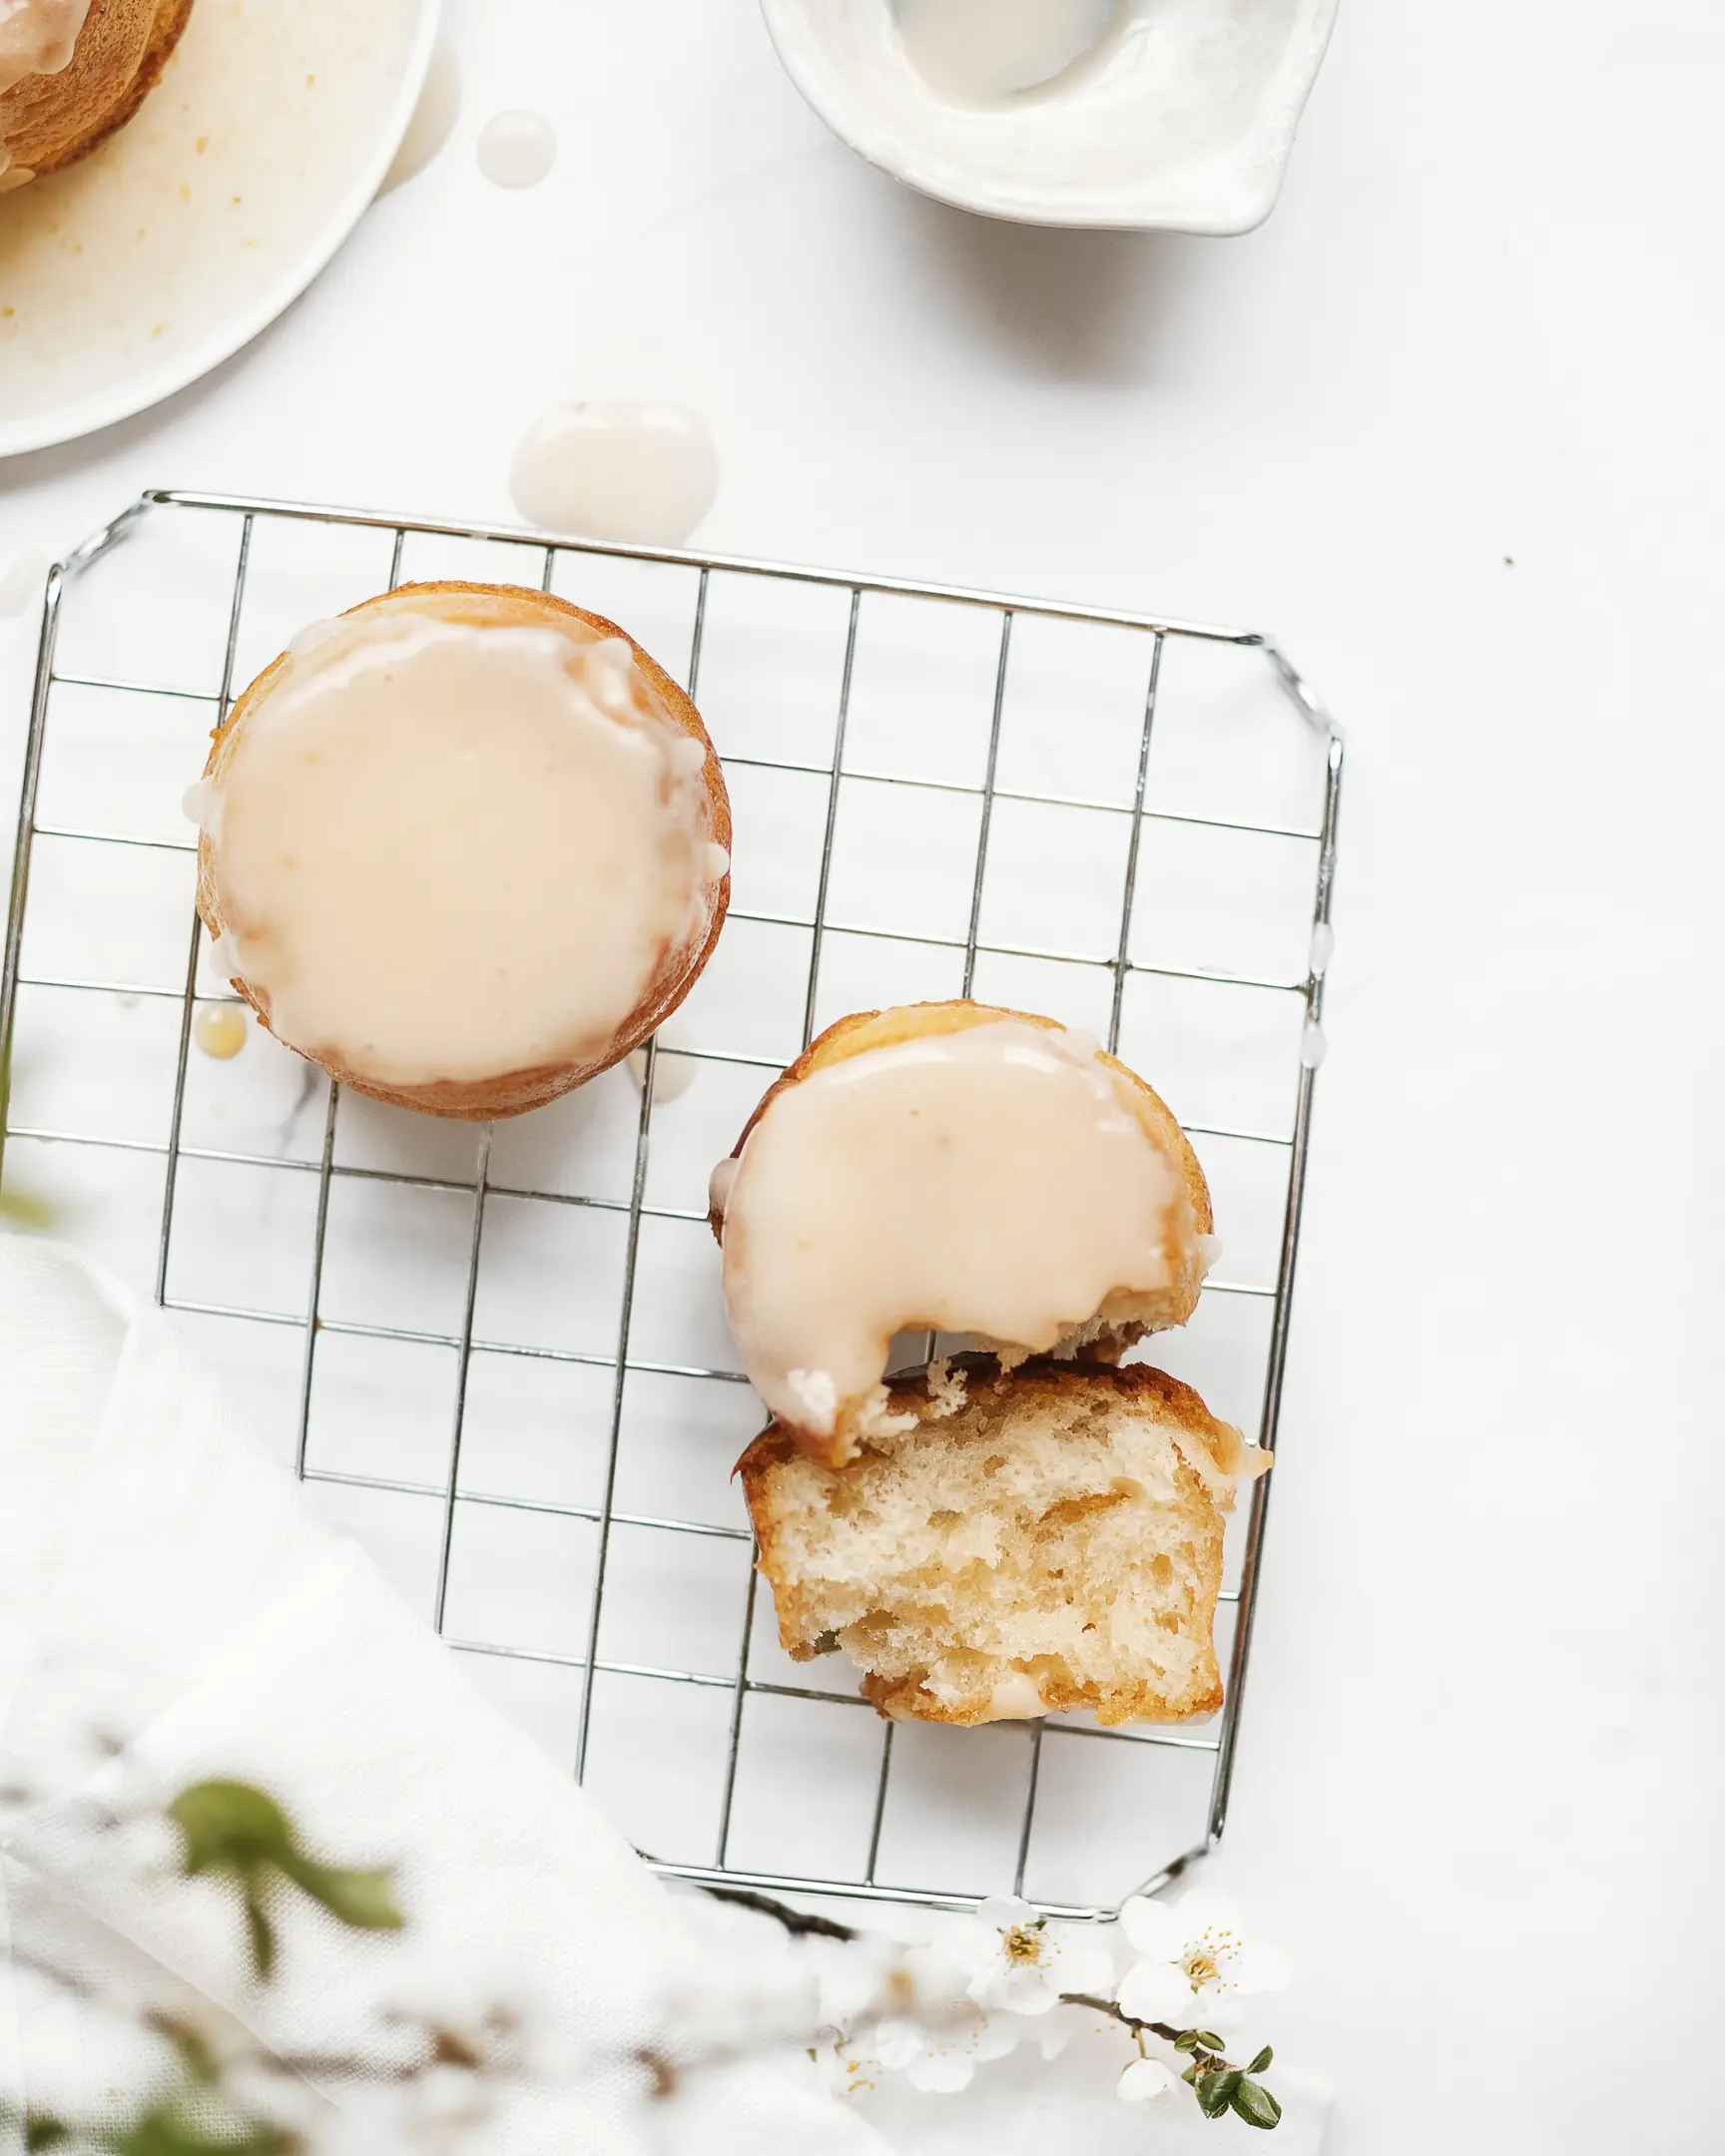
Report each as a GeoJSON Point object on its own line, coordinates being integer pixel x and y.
{"type": "Point", "coordinates": [219, 1030]}
{"type": "Point", "coordinates": [198, 803]}
{"type": "Point", "coordinates": [983, 52]}
{"type": "Point", "coordinates": [517, 149]}
{"type": "Point", "coordinates": [720, 1184]}
{"type": "Point", "coordinates": [1313, 1047]}
{"type": "Point", "coordinates": [1015, 1698]}
{"type": "Point", "coordinates": [433, 120]}
{"type": "Point", "coordinates": [1322, 946]}
{"type": "Point", "coordinates": [1209, 1253]}
{"type": "Point", "coordinates": [673, 1073]}
{"type": "Point", "coordinates": [624, 468]}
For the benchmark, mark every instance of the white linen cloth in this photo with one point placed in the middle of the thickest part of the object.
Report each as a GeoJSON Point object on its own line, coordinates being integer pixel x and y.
{"type": "Point", "coordinates": [161, 1575]}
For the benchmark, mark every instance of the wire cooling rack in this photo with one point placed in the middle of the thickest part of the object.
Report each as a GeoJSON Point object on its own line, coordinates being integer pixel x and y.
{"type": "Point", "coordinates": [902, 757]}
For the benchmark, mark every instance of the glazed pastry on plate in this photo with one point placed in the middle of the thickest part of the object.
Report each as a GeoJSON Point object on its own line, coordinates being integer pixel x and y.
{"type": "Point", "coordinates": [1053, 1541]}
{"type": "Point", "coordinates": [961, 1168]}
{"type": "Point", "coordinates": [465, 847]}
{"type": "Point", "coordinates": [72, 71]}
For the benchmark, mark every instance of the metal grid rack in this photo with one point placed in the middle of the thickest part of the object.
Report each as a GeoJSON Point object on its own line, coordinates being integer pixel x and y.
{"type": "Point", "coordinates": [250, 516]}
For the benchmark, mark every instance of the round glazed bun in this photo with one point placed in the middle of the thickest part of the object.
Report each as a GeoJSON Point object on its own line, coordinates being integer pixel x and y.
{"type": "Point", "coordinates": [50, 120]}
{"type": "Point", "coordinates": [956, 1167]}
{"type": "Point", "coordinates": [465, 847]}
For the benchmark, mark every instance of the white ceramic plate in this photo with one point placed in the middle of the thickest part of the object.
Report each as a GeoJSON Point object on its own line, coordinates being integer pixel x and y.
{"type": "Point", "coordinates": [137, 270]}
{"type": "Point", "coordinates": [1181, 120]}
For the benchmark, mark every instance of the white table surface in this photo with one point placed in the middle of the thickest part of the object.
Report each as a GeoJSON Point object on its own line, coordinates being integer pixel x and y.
{"type": "Point", "coordinates": [1445, 425]}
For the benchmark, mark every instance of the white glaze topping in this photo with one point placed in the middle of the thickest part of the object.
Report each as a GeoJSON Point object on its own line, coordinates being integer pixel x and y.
{"type": "Point", "coordinates": [994, 1181]}
{"type": "Point", "coordinates": [453, 851]}
{"type": "Point", "coordinates": [982, 51]}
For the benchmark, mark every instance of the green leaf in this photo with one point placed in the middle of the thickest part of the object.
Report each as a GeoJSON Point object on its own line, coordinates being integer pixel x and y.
{"type": "Point", "coordinates": [233, 1829]}
{"type": "Point", "coordinates": [1210, 2043]}
{"type": "Point", "coordinates": [41, 2131]}
{"type": "Point", "coordinates": [1190, 2075]}
{"type": "Point", "coordinates": [199, 2062]}
{"type": "Point", "coordinates": [1255, 2104]}
{"type": "Point", "coordinates": [260, 1940]}
{"type": "Point", "coordinates": [363, 1900]}
{"type": "Point", "coordinates": [162, 2131]}
{"type": "Point", "coordinates": [230, 1825]}
{"type": "Point", "coordinates": [1187, 2040]}
{"type": "Point", "coordinates": [1215, 2090]}
{"type": "Point", "coordinates": [1262, 2061]}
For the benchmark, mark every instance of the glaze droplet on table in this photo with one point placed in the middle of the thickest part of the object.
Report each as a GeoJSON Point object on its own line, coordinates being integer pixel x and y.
{"type": "Point", "coordinates": [219, 1030]}
{"type": "Point", "coordinates": [632, 469]}
{"type": "Point", "coordinates": [517, 149]}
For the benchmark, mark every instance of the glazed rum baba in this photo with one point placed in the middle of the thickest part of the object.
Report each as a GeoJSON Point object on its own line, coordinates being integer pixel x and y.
{"type": "Point", "coordinates": [72, 71]}
{"type": "Point", "coordinates": [465, 847]}
{"type": "Point", "coordinates": [957, 1167]}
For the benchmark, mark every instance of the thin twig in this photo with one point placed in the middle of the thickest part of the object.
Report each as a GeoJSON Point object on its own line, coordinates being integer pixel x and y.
{"type": "Point", "coordinates": [1126, 2020]}
{"type": "Point", "coordinates": [796, 1922]}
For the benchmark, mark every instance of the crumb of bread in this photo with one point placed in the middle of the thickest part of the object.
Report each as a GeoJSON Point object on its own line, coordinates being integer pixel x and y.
{"type": "Point", "coordinates": [1053, 1541]}
{"type": "Point", "coordinates": [946, 1388]}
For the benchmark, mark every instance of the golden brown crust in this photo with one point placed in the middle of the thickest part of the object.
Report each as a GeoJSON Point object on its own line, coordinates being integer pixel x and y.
{"type": "Point", "coordinates": [1041, 1380]}
{"type": "Point", "coordinates": [48, 122]}
{"type": "Point", "coordinates": [514, 1092]}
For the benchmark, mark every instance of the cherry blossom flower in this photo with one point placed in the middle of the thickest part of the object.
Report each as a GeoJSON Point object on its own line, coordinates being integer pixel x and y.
{"type": "Point", "coordinates": [1145, 2078]}
{"type": "Point", "coordinates": [942, 2056]}
{"type": "Point", "coordinates": [1017, 1961]}
{"type": "Point", "coordinates": [1196, 1963]}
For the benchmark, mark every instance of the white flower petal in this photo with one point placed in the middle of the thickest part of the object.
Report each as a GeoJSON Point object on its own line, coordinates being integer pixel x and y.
{"type": "Point", "coordinates": [1028, 1991]}
{"type": "Point", "coordinates": [1084, 1966]}
{"type": "Point", "coordinates": [1053, 2035]}
{"type": "Point", "coordinates": [972, 1949]}
{"type": "Point", "coordinates": [1158, 1992]}
{"type": "Point", "coordinates": [1153, 1928]}
{"type": "Point", "coordinates": [941, 2073]}
{"type": "Point", "coordinates": [1007, 1912]}
{"type": "Point", "coordinates": [1204, 1910]}
{"type": "Point", "coordinates": [897, 2044]}
{"type": "Point", "coordinates": [999, 2036]}
{"type": "Point", "coordinates": [1145, 2078]}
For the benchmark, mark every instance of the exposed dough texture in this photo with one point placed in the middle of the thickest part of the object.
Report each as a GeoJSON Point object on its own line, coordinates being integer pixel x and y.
{"type": "Point", "coordinates": [1054, 1544]}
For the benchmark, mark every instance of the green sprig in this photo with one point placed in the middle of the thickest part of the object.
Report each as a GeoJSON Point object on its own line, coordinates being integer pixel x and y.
{"type": "Point", "coordinates": [234, 1831]}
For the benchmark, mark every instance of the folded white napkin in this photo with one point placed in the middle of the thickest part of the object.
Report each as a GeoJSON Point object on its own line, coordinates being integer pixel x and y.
{"type": "Point", "coordinates": [160, 1576]}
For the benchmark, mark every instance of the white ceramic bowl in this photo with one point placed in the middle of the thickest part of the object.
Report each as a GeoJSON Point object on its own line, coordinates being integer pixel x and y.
{"type": "Point", "coordinates": [141, 268]}
{"type": "Point", "coordinates": [1181, 118]}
